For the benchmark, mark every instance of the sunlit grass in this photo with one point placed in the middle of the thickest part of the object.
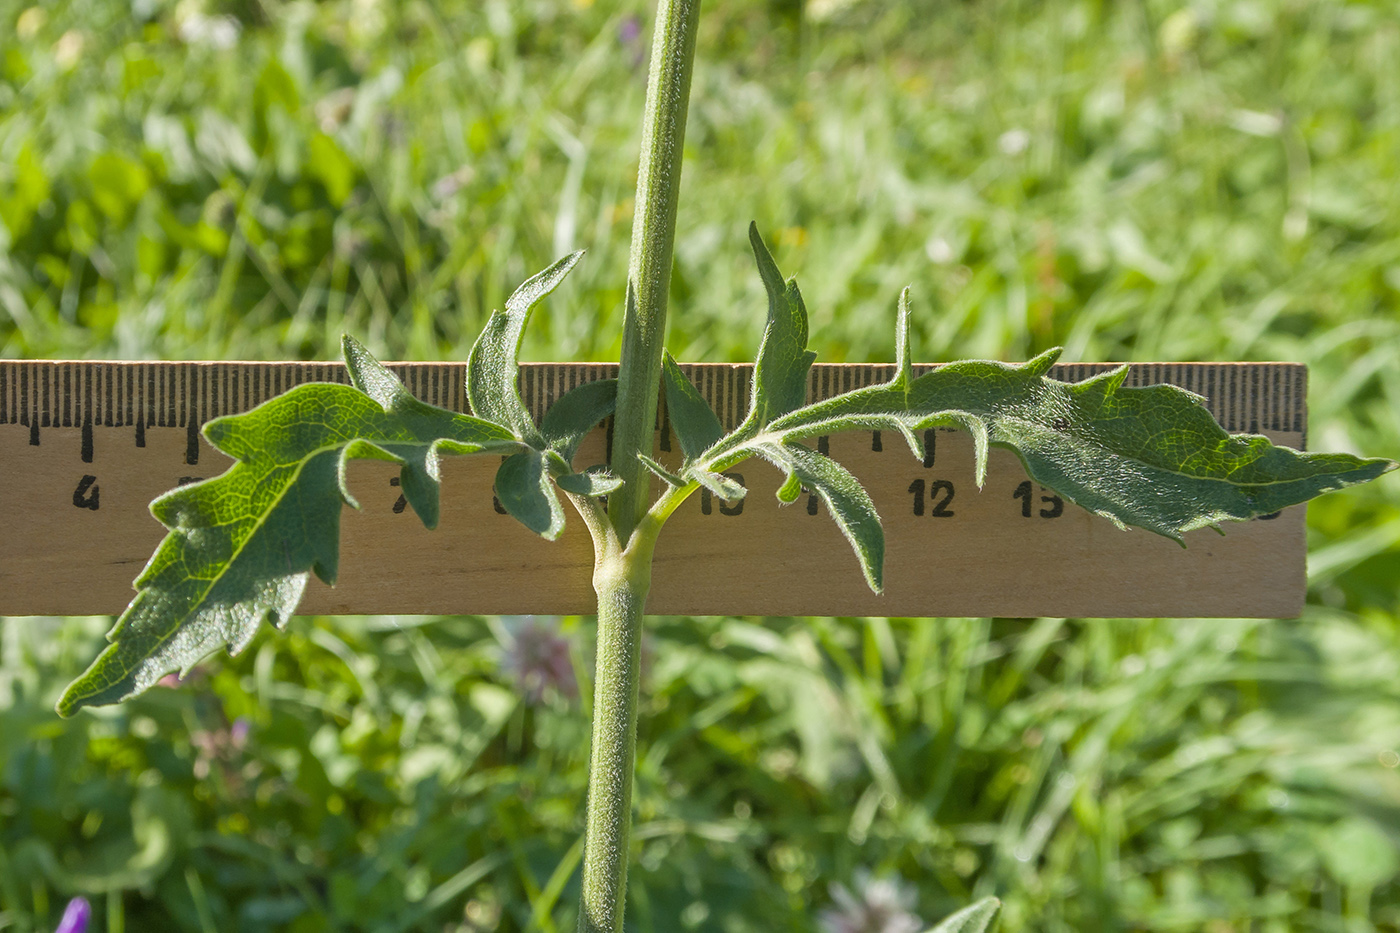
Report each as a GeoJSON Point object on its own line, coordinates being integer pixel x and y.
{"type": "Point", "coordinates": [1133, 181]}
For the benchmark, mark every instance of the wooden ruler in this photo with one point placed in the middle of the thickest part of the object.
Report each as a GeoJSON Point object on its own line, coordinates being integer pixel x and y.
{"type": "Point", "coordinates": [85, 446]}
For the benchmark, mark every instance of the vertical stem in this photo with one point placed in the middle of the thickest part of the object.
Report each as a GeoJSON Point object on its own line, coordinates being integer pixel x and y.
{"type": "Point", "coordinates": [649, 271]}
{"type": "Point", "coordinates": [621, 581]}
{"type": "Point", "coordinates": [622, 573]}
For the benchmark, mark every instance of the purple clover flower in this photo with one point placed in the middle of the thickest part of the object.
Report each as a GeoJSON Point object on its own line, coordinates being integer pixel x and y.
{"type": "Point", "coordinates": [879, 905]}
{"type": "Point", "coordinates": [219, 745]}
{"type": "Point", "coordinates": [75, 916]}
{"type": "Point", "coordinates": [238, 732]}
{"type": "Point", "coordinates": [537, 658]}
{"type": "Point", "coordinates": [629, 36]}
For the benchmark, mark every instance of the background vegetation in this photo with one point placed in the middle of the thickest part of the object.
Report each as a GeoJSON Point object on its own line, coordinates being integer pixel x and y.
{"type": "Point", "coordinates": [1139, 180]}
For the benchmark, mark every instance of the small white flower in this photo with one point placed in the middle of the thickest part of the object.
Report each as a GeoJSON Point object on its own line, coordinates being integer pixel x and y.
{"type": "Point", "coordinates": [822, 10]}
{"type": "Point", "coordinates": [880, 905]}
{"type": "Point", "coordinates": [938, 250]}
{"type": "Point", "coordinates": [1014, 142]}
{"type": "Point", "coordinates": [69, 48]}
{"type": "Point", "coordinates": [449, 184]}
{"type": "Point", "coordinates": [217, 32]}
{"type": "Point", "coordinates": [30, 22]}
{"type": "Point", "coordinates": [334, 109]}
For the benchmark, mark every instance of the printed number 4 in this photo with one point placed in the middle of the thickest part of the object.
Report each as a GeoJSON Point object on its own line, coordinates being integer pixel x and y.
{"type": "Point", "coordinates": [88, 493]}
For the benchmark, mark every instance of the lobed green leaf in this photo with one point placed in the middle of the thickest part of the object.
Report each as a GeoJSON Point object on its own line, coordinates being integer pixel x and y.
{"type": "Point", "coordinates": [525, 490]}
{"type": "Point", "coordinates": [595, 481]}
{"type": "Point", "coordinates": [525, 481]}
{"type": "Point", "coordinates": [974, 918]}
{"type": "Point", "coordinates": [242, 545]}
{"type": "Point", "coordinates": [671, 479]}
{"type": "Point", "coordinates": [696, 425]}
{"type": "Point", "coordinates": [725, 487]}
{"type": "Point", "coordinates": [780, 373]}
{"type": "Point", "coordinates": [492, 364]}
{"type": "Point", "coordinates": [1152, 457]}
{"type": "Point", "coordinates": [575, 413]}
{"type": "Point", "coordinates": [844, 497]}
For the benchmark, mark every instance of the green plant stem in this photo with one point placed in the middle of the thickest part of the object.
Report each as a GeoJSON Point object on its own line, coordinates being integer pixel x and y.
{"type": "Point", "coordinates": [621, 580]}
{"type": "Point", "coordinates": [622, 568]}
{"type": "Point", "coordinates": [649, 270]}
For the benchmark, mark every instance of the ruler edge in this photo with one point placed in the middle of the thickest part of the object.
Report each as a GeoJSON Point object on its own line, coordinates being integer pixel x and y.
{"type": "Point", "coordinates": [1241, 412]}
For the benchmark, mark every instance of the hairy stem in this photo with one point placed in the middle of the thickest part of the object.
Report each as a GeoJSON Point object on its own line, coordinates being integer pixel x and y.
{"type": "Point", "coordinates": [649, 271]}
{"type": "Point", "coordinates": [622, 568]}
{"type": "Point", "coordinates": [621, 581]}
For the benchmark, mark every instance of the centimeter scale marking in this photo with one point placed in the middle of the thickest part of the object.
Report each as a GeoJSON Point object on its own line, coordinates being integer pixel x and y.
{"type": "Point", "coordinates": [86, 445]}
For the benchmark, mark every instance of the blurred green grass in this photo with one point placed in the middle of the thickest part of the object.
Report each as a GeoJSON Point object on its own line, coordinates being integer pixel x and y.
{"type": "Point", "coordinates": [1149, 180]}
